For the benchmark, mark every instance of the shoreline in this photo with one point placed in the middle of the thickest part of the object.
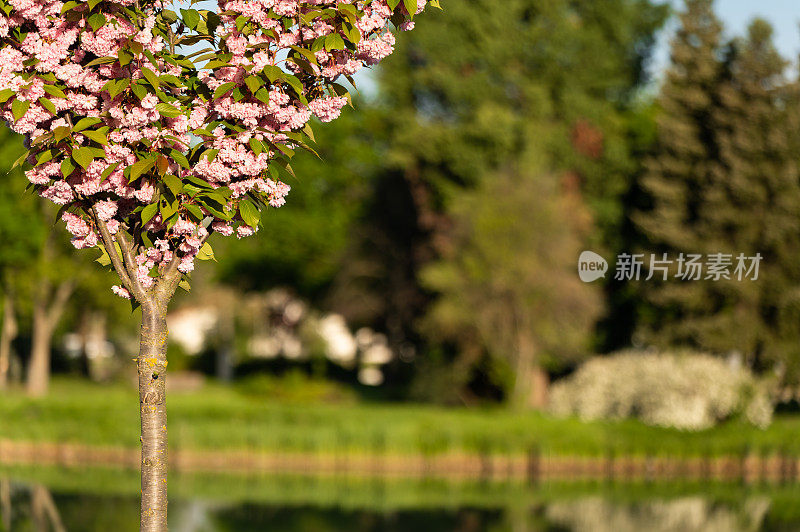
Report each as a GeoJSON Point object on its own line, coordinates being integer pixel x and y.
{"type": "Point", "coordinates": [444, 465]}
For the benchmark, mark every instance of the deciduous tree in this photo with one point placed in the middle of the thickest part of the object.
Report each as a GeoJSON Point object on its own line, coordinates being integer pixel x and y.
{"type": "Point", "coordinates": [148, 149]}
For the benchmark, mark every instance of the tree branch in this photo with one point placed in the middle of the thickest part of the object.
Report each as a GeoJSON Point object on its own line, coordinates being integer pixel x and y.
{"type": "Point", "coordinates": [171, 277]}
{"type": "Point", "coordinates": [126, 246]}
{"type": "Point", "coordinates": [116, 261]}
{"type": "Point", "coordinates": [63, 292]}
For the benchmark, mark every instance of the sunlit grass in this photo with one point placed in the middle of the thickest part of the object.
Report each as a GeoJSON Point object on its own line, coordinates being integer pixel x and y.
{"type": "Point", "coordinates": [219, 417]}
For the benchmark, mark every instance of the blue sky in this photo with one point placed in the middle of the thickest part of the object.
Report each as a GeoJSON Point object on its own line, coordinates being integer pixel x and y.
{"type": "Point", "coordinates": [784, 15]}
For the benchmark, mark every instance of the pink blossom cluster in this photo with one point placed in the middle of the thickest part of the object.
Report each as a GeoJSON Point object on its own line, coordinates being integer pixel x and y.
{"type": "Point", "coordinates": [81, 108]}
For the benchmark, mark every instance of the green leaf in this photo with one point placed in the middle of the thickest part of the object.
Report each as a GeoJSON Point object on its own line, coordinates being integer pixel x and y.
{"type": "Point", "coordinates": [169, 16]}
{"type": "Point", "coordinates": [168, 209]}
{"type": "Point", "coordinates": [223, 89]}
{"type": "Point", "coordinates": [72, 4]}
{"type": "Point", "coordinates": [140, 167]}
{"type": "Point", "coordinates": [253, 83]}
{"type": "Point", "coordinates": [52, 90]}
{"type": "Point", "coordinates": [308, 54]}
{"type": "Point", "coordinates": [210, 155]}
{"type": "Point", "coordinates": [216, 64]}
{"type": "Point", "coordinates": [199, 182]}
{"type": "Point", "coordinates": [108, 171]}
{"type": "Point", "coordinates": [125, 57]}
{"type": "Point", "coordinates": [249, 213]}
{"type": "Point", "coordinates": [5, 94]}
{"type": "Point", "coordinates": [206, 253]}
{"type": "Point", "coordinates": [295, 83]}
{"type": "Point", "coordinates": [173, 184]}
{"type": "Point", "coordinates": [241, 22]}
{"type": "Point", "coordinates": [21, 159]}
{"type": "Point", "coordinates": [179, 158]}
{"type": "Point", "coordinates": [96, 21]}
{"type": "Point", "coordinates": [96, 136]}
{"type": "Point", "coordinates": [150, 57]}
{"type": "Point", "coordinates": [392, 4]}
{"type": "Point", "coordinates": [83, 156]}
{"type": "Point", "coordinates": [101, 60]}
{"type": "Point", "coordinates": [308, 131]}
{"type": "Point", "coordinates": [47, 104]}
{"type": "Point", "coordinates": [190, 17]}
{"type": "Point", "coordinates": [334, 41]}
{"type": "Point", "coordinates": [411, 7]}
{"type": "Point", "coordinates": [118, 86]}
{"type": "Point", "coordinates": [353, 34]}
{"type": "Point", "coordinates": [185, 285]}
{"type": "Point", "coordinates": [44, 157]}
{"type": "Point", "coordinates": [151, 77]}
{"type": "Point", "coordinates": [60, 133]}
{"type": "Point", "coordinates": [67, 167]}
{"type": "Point", "coordinates": [148, 212]}
{"type": "Point", "coordinates": [103, 259]}
{"type": "Point", "coordinates": [272, 72]}
{"type": "Point", "coordinates": [19, 108]}
{"type": "Point", "coordinates": [83, 123]}
{"type": "Point", "coordinates": [139, 91]}
{"type": "Point", "coordinates": [256, 146]}
{"type": "Point", "coordinates": [263, 95]}
{"type": "Point", "coordinates": [195, 211]}
{"type": "Point", "coordinates": [167, 110]}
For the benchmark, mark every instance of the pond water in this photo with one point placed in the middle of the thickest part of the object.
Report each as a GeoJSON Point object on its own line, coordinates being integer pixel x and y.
{"type": "Point", "coordinates": [80, 501]}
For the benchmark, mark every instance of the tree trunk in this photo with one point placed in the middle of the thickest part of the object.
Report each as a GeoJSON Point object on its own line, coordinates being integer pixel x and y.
{"type": "Point", "coordinates": [531, 383]}
{"type": "Point", "coordinates": [7, 335]}
{"type": "Point", "coordinates": [39, 366]}
{"type": "Point", "coordinates": [152, 365]}
{"type": "Point", "coordinates": [44, 510]}
{"type": "Point", "coordinates": [5, 503]}
{"type": "Point", "coordinates": [45, 320]}
{"type": "Point", "coordinates": [541, 388]}
{"type": "Point", "coordinates": [225, 350]}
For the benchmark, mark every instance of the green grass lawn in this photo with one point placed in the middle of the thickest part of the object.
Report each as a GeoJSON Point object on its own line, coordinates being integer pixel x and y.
{"type": "Point", "coordinates": [217, 417]}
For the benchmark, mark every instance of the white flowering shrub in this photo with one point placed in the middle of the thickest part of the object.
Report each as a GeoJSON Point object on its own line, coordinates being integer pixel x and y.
{"type": "Point", "coordinates": [683, 390]}
{"type": "Point", "coordinates": [684, 514]}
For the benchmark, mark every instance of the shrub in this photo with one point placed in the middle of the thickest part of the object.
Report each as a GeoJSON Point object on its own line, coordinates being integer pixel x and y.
{"type": "Point", "coordinates": [296, 387]}
{"type": "Point", "coordinates": [684, 390]}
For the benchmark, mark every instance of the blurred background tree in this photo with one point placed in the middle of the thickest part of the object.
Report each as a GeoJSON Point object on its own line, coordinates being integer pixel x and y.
{"type": "Point", "coordinates": [507, 285]}
{"type": "Point", "coordinates": [36, 274]}
{"type": "Point", "coordinates": [466, 96]}
{"type": "Point", "coordinates": [724, 179]}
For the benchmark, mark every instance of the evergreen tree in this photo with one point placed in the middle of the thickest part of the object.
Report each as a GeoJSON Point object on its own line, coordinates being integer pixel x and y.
{"type": "Point", "coordinates": [679, 167]}
{"type": "Point", "coordinates": [742, 197]}
{"type": "Point", "coordinates": [752, 203]}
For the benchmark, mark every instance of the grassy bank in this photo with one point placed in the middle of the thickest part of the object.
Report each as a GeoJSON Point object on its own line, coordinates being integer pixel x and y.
{"type": "Point", "coordinates": [226, 418]}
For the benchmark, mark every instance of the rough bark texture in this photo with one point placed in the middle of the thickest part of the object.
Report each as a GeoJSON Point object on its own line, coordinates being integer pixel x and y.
{"type": "Point", "coordinates": [152, 369]}
{"type": "Point", "coordinates": [7, 335]}
{"type": "Point", "coordinates": [152, 365]}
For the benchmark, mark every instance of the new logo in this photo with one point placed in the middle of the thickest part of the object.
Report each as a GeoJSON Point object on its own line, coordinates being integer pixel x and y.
{"type": "Point", "coordinates": [591, 266]}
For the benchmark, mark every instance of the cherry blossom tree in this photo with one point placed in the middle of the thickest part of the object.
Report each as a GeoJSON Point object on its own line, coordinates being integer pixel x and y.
{"type": "Point", "coordinates": [149, 148]}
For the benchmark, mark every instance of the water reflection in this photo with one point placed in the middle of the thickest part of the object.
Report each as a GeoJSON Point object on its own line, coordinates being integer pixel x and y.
{"type": "Point", "coordinates": [58, 504]}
